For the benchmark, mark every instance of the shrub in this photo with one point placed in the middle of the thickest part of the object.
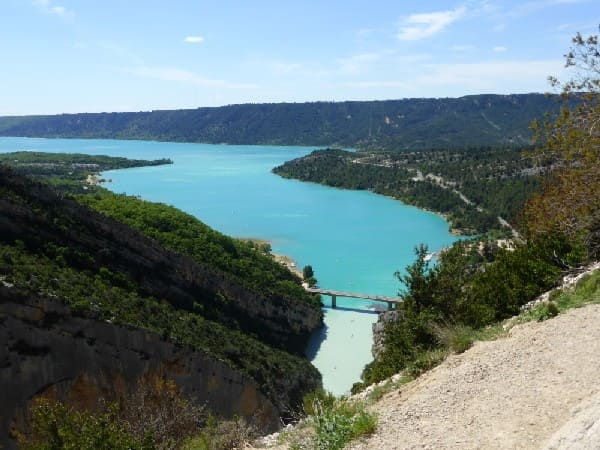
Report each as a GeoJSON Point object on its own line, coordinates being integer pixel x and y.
{"type": "Point", "coordinates": [55, 427]}
{"type": "Point", "coordinates": [317, 397]}
{"type": "Point", "coordinates": [332, 423]}
{"type": "Point", "coordinates": [337, 425]}
{"type": "Point", "coordinates": [457, 338]}
{"type": "Point", "coordinates": [222, 435]}
{"type": "Point", "coordinates": [154, 416]}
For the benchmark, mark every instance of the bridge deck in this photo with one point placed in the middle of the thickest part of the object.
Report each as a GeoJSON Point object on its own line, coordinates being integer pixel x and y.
{"type": "Point", "coordinates": [378, 298]}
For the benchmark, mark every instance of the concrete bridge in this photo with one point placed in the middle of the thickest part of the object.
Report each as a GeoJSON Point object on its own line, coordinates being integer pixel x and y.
{"type": "Point", "coordinates": [391, 301]}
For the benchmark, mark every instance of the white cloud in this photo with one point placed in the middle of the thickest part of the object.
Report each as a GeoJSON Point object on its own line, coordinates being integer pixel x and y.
{"type": "Point", "coordinates": [57, 10]}
{"type": "Point", "coordinates": [193, 39]}
{"type": "Point", "coordinates": [499, 49]}
{"type": "Point", "coordinates": [185, 76]}
{"type": "Point", "coordinates": [425, 25]}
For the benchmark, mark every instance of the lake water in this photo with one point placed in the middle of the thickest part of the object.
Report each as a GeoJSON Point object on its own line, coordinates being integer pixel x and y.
{"type": "Point", "coordinates": [354, 240]}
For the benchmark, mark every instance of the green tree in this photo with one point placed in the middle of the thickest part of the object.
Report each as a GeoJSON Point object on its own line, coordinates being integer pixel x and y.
{"type": "Point", "coordinates": [417, 292]}
{"type": "Point", "coordinates": [569, 203]}
{"type": "Point", "coordinates": [308, 275]}
{"type": "Point", "coordinates": [307, 272]}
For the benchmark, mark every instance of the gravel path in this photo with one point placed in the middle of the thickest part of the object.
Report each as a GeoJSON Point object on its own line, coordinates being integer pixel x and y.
{"type": "Point", "coordinates": [537, 388]}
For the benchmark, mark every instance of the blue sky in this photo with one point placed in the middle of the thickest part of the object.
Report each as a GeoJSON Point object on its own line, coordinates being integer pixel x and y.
{"type": "Point", "coordinates": [131, 55]}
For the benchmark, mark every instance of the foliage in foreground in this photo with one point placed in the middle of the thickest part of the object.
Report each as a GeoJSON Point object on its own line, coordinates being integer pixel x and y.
{"type": "Point", "coordinates": [153, 416]}
{"type": "Point", "coordinates": [221, 435]}
{"type": "Point", "coordinates": [569, 202]}
{"type": "Point", "coordinates": [585, 292]}
{"type": "Point", "coordinates": [447, 305]}
{"type": "Point", "coordinates": [332, 423]}
{"type": "Point", "coordinates": [474, 286]}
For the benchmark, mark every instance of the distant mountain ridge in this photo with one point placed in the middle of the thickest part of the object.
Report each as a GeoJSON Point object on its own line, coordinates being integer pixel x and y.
{"type": "Point", "coordinates": [473, 120]}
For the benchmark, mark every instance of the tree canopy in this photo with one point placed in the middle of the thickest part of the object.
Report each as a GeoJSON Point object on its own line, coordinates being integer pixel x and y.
{"type": "Point", "coordinates": [569, 203]}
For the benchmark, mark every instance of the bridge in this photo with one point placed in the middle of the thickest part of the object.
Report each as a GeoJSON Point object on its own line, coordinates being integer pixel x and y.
{"type": "Point", "coordinates": [391, 301]}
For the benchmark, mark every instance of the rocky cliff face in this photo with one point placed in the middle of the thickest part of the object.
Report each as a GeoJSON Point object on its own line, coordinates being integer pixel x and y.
{"type": "Point", "coordinates": [379, 330]}
{"type": "Point", "coordinates": [46, 349]}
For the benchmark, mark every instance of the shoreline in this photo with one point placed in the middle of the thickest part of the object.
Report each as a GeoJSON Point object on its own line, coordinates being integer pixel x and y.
{"type": "Point", "coordinates": [284, 260]}
{"type": "Point", "coordinates": [289, 263]}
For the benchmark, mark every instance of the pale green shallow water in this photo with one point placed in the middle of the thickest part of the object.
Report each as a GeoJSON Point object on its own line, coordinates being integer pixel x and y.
{"type": "Point", "coordinates": [354, 240]}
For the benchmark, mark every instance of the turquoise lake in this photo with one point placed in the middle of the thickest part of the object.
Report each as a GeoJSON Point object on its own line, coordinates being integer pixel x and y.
{"type": "Point", "coordinates": [354, 240]}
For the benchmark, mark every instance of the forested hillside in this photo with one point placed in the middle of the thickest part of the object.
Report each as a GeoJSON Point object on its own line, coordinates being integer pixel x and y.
{"type": "Point", "coordinates": [474, 120]}
{"type": "Point", "coordinates": [199, 295]}
{"type": "Point", "coordinates": [69, 171]}
{"type": "Point", "coordinates": [473, 187]}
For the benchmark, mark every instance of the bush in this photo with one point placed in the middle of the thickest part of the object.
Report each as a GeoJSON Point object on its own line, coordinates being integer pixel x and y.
{"type": "Point", "coordinates": [55, 427]}
{"type": "Point", "coordinates": [222, 435]}
{"type": "Point", "coordinates": [154, 416]}
{"type": "Point", "coordinates": [337, 425]}
{"type": "Point", "coordinates": [317, 397]}
{"type": "Point", "coordinates": [332, 423]}
{"type": "Point", "coordinates": [457, 338]}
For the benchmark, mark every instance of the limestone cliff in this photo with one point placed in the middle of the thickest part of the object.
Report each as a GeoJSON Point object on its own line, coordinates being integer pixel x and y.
{"type": "Point", "coordinates": [46, 349]}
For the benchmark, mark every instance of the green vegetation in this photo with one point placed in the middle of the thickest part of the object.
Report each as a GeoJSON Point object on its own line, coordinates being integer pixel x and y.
{"type": "Point", "coordinates": [53, 247]}
{"type": "Point", "coordinates": [469, 121]}
{"type": "Point", "coordinates": [469, 289]}
{"type": "Point", "coordinates": [185, 234]}
{"type": "Point", "coordinates": [331, 423]}
{"type": "Point", "coordinates": [57, 428]}
{"type": "Point", "coordinates": [110, 296]}
{"type": "Point", "coordinates": [493, 181]}
{"type": "Point", "coordinates": [308, 275]}
{"type": "Point", "coordinates": [569, 202]}
{"type": "Point", "coordinates": [221, 435]}
{"type": "Point", "coordinates": [474, 286]}
{"type": "Point", "coordinates": [585, 292]}
{"type": "Point", "coordinates": [335, 426]}
{"type": "Point", "coordinates": [154, 416]}
{"type": "Point", "coordinates": [477, 284]}
{"type": "Point", "coordinates": [69, 171]}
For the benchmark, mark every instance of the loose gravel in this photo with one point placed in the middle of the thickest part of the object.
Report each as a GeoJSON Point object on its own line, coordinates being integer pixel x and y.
{"type": "Point", "coordinates": [528, 390]}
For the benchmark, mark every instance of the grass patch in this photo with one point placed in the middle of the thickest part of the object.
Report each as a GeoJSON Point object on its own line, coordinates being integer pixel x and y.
{"type": "Point", "coordinates": [337, 425]}
{"type": "Point", "coordinates": [389, 385]}
{"type": "Point", "coordinates": [425, 361]}
{"type": "Point", "coordinates": [585, 292]}
{"type": "Point", "coordinates": [457, 338]}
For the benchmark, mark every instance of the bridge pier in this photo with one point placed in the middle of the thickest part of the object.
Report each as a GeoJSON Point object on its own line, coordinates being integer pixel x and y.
{"type": "Point", "coordinates": [333, 298]}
